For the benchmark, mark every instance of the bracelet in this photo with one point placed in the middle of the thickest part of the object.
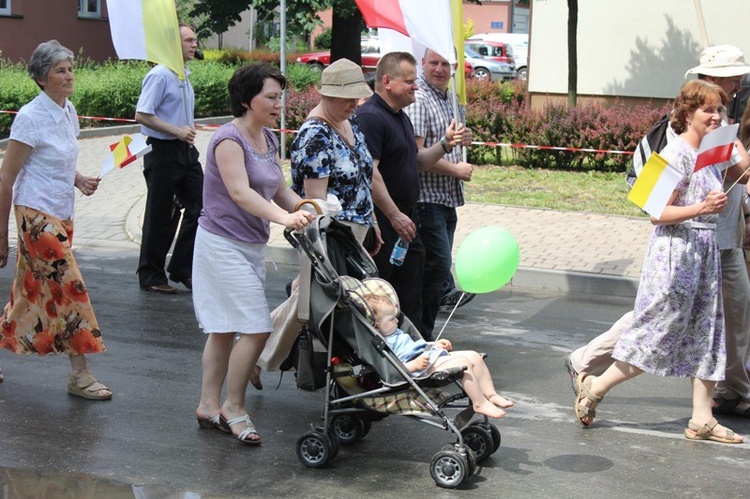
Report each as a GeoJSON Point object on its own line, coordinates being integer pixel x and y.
{"type": "Point", "coordinates": [444, 145]}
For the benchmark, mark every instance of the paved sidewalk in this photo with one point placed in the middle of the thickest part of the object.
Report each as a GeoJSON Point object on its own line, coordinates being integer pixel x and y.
{"type": "Point", "coordinates": [581, 252]}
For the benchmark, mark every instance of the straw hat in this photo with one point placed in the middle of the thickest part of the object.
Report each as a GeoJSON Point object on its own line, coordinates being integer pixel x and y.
{"type": "Point", "coordinates": [721, 61]}
{"type": "Point", "coordinates": [344, 79]}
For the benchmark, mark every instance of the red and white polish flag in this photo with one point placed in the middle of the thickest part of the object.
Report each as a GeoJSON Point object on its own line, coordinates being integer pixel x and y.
{"type": "Point", "coordinates": [425, 21]}
{"type": "Point", "coordinates": [716, 147]}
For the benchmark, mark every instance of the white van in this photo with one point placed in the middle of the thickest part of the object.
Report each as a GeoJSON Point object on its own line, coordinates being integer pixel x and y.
{"type": "Point", "coordinates": [520, 44]}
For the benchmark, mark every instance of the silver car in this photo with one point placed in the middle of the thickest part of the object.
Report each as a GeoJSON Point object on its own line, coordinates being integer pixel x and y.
{"type": "Point", "coordinates": [487, 68]}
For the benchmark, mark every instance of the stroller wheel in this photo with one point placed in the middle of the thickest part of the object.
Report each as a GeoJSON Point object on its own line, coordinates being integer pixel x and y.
{"type": "Point", "coordinates": [314, 449]}
{"type": "Point", "coordinates": [449, 469]}
{"type": "Point", "coordinates": [471, 458]}
{"type": "Point", "coordinates": [496, 439]}
{"type": "Point", "coordinates": [348, 429]}
{"type": "Point", "coordinates": [335, 442]}
{"type": "Point", "coordinates": [479, 439]}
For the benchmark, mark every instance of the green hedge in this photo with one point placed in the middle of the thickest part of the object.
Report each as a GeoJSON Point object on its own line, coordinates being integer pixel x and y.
{"type": "Point", "coordinates": [495, 113]}
{"type": "Point", "coordinates": [112, 89]}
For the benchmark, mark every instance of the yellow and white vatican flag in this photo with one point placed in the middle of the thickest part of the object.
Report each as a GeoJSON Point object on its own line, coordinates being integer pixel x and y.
{"type": "Point", "coordinates": [124, 152]}
{"type": "Point", "coordinates": [655, 185]}
{"type": "Point", "coordinates": [147, 30]}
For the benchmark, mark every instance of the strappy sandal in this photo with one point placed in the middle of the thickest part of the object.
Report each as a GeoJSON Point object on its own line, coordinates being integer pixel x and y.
{"type": "Point", "coordinates": [585, 393]}
{"type": "Point", "coordinates": [86, 386]}
{"type": "Point", "coordinates": [245, 434]}
{"type": "Point", "coordinates": [694, 431]}
{"type": "Point", "coordinates": [211, 423]}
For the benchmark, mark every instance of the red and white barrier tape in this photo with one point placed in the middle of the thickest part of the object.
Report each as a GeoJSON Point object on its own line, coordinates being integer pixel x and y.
{"type": "Point", "coordinates": [549, 148]}
{"type": "Point", "coordinates": [477, 143]}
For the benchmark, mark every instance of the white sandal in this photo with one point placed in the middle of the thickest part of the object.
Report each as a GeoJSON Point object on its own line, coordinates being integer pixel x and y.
{"type": "Point", "coordinates": [244, 434]}
{"type": "Point", "coordinates": [86, 386]}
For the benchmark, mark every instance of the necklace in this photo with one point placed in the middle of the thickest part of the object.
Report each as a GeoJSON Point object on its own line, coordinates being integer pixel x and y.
{"type": "Point", "coordinates": [258, 144]}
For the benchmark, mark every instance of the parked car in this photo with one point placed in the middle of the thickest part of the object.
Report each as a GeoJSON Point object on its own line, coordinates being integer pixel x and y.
{"type": "Point", "coordinates": [487, 68]}
{"type": "Point", "coordinates": [520, 44]}
{"type": "Point", "coordinates": [370, 58]}
{"type": "Point", "coordinates": [497, 51]}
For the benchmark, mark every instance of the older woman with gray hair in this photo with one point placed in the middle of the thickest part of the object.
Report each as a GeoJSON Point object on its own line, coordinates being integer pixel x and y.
{"type": "Point", "coordinates": [49, 309]}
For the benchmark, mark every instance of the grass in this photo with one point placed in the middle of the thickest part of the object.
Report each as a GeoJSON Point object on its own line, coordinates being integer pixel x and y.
{"type": "Point", "coordinates": [594, 192]}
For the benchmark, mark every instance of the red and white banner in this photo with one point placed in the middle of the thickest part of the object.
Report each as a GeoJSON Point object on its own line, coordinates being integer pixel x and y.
{"type": "Point", "coordinates": [716, 147]}
{"type": "Point", "coordinates": [427, 22]}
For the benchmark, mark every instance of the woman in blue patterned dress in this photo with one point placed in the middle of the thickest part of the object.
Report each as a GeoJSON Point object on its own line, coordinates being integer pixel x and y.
{"type": "Point", "coordinates": [329, 153]}
{"type": "Point", "coordinates": [679, 318]}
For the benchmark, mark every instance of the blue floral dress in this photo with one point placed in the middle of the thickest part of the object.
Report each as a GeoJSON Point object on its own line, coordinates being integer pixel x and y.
{"type": "Point", "coordinates": [679, 316]}
{"type": "Point", "coordinates": [318, 151]}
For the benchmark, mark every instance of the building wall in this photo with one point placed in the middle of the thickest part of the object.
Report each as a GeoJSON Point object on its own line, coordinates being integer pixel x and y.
{"type": "Point", "coordinates": [238, 36]}
{"type": "Point", "coordinates": [34, 21]}
{"type": "Point", "coordinates": [634, 50]}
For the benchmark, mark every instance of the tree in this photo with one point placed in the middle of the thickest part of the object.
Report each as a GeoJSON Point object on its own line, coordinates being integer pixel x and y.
{"type": "Point", "coordinates": [216, 16]}
{"type": "Point", "coordinates": [572, 52]}
{"type": "Point", "coordinates": [301, 18]}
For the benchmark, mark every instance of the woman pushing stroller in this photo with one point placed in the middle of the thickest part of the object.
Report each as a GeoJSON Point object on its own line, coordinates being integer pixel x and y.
{"type": "Point", "coordinates": [421, 357]}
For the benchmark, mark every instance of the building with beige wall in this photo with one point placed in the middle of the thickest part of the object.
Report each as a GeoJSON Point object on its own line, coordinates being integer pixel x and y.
{"type": "Point", "coordinates": [635, 50]}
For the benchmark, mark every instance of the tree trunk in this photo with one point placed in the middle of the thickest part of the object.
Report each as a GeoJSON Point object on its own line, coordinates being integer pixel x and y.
{"type": "Point", "coordinates": [572, 52]}
{"type": "Point", "coordinates": [346, 34]}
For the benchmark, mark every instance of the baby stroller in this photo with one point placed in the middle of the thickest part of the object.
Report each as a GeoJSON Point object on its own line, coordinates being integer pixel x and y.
{"type": "Point", "coordinates": [364, 380]}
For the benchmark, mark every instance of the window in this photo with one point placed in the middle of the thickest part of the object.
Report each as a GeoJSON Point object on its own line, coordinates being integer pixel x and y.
{"type": "Point", "coordinates": [88, 8]}
{"type": "Point", "coordinates": [5, 8]}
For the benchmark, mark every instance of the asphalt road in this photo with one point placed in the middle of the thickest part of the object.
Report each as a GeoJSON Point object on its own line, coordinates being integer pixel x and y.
{"type": "Point", "coordinates": [146, 442]}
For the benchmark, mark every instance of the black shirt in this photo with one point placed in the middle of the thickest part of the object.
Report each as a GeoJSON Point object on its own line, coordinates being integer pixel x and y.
{"type": "Point", "coordinates": [390, 139]}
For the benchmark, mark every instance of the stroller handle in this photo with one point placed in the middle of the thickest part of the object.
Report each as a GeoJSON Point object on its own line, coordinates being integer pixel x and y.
{"type": "Point", "coordinates": [303, 202]}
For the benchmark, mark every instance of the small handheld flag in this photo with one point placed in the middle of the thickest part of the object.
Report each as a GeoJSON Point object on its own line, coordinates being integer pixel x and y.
{"type": "Point", "coordinates": [655, 185]}
{"type": "Point", "coordinates": [716, 147]}
{"type": "Point", "coordinates": [125, 152]}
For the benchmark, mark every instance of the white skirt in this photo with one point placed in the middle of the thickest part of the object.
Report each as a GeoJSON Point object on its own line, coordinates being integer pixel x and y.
{"type": "Point", "coordinates": [229, 278]}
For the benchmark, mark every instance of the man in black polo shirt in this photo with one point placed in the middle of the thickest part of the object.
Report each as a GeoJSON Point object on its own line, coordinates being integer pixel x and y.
{"type": "Point", "coordinates": [395, 180]}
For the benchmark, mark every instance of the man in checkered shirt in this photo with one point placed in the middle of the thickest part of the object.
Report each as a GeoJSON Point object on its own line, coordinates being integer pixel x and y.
{"type": "Point", "coordinates": [441, 190]}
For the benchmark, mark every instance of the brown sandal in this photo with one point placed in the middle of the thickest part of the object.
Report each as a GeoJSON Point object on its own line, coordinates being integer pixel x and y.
{"type": "Point", "coordinates": [585, 393]}
{"type": "Point", "coordinates": [694, 431]}
{"type": "Point", "coordinates": [255, 378]}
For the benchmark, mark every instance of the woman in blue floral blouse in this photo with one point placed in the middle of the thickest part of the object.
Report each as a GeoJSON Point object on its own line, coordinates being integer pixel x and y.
{"type": "Point", "coordinates": [329, 154]}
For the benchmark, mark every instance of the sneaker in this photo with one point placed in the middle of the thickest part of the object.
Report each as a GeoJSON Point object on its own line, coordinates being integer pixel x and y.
{"type": "Point", "coordinates": [572, 373]}
{"type": "Point", "coordinates": [452, 297]}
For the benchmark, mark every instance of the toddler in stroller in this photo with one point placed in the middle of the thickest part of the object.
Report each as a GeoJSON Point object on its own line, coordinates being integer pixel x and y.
{"type": "Point", "coordinates": [420, 358]}
{"type": "Point", "coordinates": [363, 379]}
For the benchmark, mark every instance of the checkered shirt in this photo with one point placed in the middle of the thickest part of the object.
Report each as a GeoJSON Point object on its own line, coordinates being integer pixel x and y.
{"type": "Point", "coordinates": [431, 114]}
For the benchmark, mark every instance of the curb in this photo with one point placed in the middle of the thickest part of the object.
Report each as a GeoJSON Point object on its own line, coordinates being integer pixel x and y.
{"type": "Point", "coordinates": [552, 280]}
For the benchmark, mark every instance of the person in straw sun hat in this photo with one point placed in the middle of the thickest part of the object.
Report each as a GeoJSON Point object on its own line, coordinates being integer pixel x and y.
{"type": "Point", "coordinates": [329, 156]}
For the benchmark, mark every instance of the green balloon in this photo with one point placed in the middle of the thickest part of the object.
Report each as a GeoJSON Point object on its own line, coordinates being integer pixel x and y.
{"type": "Point", "coordinates": [486, 260]}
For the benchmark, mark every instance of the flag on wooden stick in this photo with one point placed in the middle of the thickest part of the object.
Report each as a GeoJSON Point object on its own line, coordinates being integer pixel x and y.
{"type": "Point", "coordinates": [655, 185]}
{"type": "Point", "coordinates": [716, 147]}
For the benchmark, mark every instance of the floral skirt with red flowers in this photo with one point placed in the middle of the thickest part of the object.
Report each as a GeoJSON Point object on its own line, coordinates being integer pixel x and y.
{"type": "Point", "coordinates": [49, 309]}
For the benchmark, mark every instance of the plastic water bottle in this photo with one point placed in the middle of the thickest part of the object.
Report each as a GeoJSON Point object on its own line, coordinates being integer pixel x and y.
{"type": "Point", "coordinates": [399, 252]}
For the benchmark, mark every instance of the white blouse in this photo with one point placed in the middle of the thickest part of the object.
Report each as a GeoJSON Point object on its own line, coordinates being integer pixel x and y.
{"type": "Point", "coordinates": [46, 179]}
